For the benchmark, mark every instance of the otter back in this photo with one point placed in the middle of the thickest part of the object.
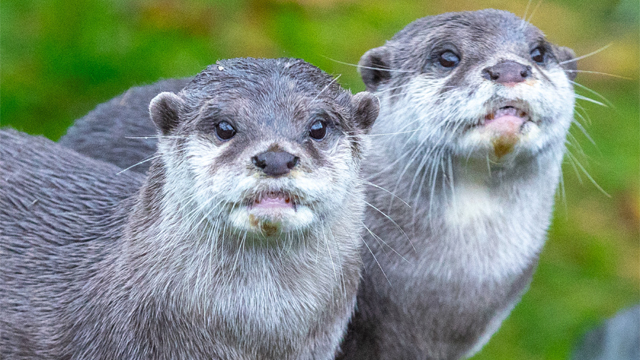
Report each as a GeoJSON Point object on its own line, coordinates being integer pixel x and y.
{"type": "Point", "coordinates": [62, 217]}
{"type": "Point", "coordinates": [119, 131]}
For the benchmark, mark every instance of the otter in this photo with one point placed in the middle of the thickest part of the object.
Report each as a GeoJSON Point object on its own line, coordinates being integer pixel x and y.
{"type": "Point", "coordinates": [475, 108]}
{"type": "Point", "coordinates": [242, 242]}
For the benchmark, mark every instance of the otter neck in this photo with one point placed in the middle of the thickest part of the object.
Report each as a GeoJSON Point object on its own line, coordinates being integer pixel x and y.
{"type": "Point", "coordinates": [207, 272]}
{"type": "Point", "coordinates": [486, 221]}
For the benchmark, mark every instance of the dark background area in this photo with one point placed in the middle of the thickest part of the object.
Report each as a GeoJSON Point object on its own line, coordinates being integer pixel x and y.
{"type": "Point", "coordinates": [59, 59]}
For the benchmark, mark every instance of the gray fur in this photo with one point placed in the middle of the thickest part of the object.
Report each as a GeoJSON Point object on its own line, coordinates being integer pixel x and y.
{"type": "Point", "coordinates": [119, 131]}
{"type": "Point", "coordinates": [93, 269]}
{"type": "Point", "coordinates": [434, 286]}
{"type": "Point", "coordinates": [456, 258]}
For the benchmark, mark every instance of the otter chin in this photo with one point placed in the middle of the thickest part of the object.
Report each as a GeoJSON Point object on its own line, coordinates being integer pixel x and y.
{"type": "Point", "coordinates": [273, 213]}
{"type": "Point", "coordinates": [502, 129]}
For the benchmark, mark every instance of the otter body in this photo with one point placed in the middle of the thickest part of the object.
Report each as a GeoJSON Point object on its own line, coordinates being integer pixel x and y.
{"type": "Point", "coordinates": [475, 108]}
{"type": "Point", "coordinates": [228, 250]}
{"type": "Point", "coordinates": [62, 218]}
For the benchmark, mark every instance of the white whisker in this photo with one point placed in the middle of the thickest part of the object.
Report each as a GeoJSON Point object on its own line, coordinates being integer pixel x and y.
{"type": "Point", "coordinates": [599, 73]}
{"type": "Point", "coordinates": [587, 55]}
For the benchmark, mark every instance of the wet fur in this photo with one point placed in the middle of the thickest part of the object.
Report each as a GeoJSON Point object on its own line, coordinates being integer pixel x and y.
{"type": "Point", "coordinates": [93, 269]}
{"type": "Point", "coordinates": [466, 229]}
{"type": "Point", "coordinates": [462, 249]}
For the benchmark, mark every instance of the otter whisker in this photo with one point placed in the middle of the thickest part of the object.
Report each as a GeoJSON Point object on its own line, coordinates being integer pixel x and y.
{"type": "Point", "coordinates": [599, 73]}
{"type": "Point", "coordinates": [587, 55]}
{"type": "Point", "coordinates": [139, 163]}
{"type": "Point", "coordinates": [157, 136]}
{"type": "Point", "coordinates": [414, 155]}
{"type": "Point", "coordinates": [425, 159]}
{"type": "Point", "coordinates": [242, 251]}
{"type": "Point", "coordinates": [385, 190]}
{"type": "Point", "coordinates": [452, 187]}
{"type": "Point", "coordinates": [563, 192]}
{"type": "Point", "coordinates": [586, 173]}
{"type": "Point", "coordinates": [191, 217]}
{"type": "Point", "coordinates": [143, 137]}
{"type": "Point", "coordinates": [526, 10]}
{"type": "Point", "coordinates": [594, 92]}
{"type": "Point", "coordinates": [395, 133]}
{"type": "Point", "coordinates": [333, 265]}
{"type": "Point", "coordinates": [534, 11]}
{"type": "Point", "coordinates": [385, 244]}
{"type": "Point", "coordinates": [366, 67]}
{"type": "Point", "coordinates": [364, 241]}
{"type": "Point", "coordinates": [584, 114]}
{"type": "Point", "coordinates": [432, 195]}
{"type": "Point", "coordinates": [584, 131]}
{"type": "Point", "coordinates": [326, 87]}
{"type": "Point", "coordinates": [574, 143]}
{"type": "Point", "coordinates": [390, 166]}
{"type": "Point", "coordinates": [581, 97]}
{"type": "Point", "coordinates": [423, 168]}
{"type": "Point", "coordinates": [337, 249]}
{"type": "Point", "coordinates": [394, 223]}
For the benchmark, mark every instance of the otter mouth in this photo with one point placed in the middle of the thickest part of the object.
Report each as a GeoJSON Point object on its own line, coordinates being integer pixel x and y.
{"type": "Point", "coordinates": [273, 201]}
{"type": "Point", "coordinates": [270, 212]}
{"type": "Point", "coordinates": [507, 120]}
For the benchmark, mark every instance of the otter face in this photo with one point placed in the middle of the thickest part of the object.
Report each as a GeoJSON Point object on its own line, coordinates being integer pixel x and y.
{"type": "Point", "coordinates": [482, 84]}
{"type": "Point", "coordinates": [263, 147]}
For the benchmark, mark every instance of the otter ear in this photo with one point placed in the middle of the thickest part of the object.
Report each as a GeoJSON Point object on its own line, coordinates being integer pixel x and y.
{"type": "Point", "coordinates": [565, 57]}
{"type": "Point", "coordinates": [364, 110]}
{"type": "Point", "coordinates": [374, 67]}
{"type": "Point", "coordinates": [164, 110]}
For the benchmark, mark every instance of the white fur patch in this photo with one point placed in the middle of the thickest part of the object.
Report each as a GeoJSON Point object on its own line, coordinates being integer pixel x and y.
{"type": "Point", "coordinates": [472, 203]}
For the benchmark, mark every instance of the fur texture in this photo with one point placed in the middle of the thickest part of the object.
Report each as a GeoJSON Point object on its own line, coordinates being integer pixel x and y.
{"type": "Point", "coordinates": [184, 269]}
{"type": "Point", "coordinates": [462, 232]}
{"type": "Point", "coordinates": [449, 254]}
{"type": "Point", "coordinates": [101, 134]}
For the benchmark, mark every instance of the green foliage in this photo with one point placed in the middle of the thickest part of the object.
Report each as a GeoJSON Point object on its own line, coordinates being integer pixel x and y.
{"type": "Point", "coordinates": [60, 58]}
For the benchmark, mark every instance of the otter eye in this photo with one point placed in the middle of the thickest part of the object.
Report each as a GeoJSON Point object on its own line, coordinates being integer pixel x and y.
{"type": "Point", "coordinates": [537, 55]}
{"type": "Point", "coordinates": [224, 130]}
{"type": "Point", "coordinates": [448, 59]}
{"type": "Point", "coordinates": [318, 130]}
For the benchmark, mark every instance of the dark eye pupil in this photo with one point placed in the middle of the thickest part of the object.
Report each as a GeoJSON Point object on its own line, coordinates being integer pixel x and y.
{"type": "Point", "coordinates": [448, 59]}
{"type": "Point", "coordinates": [225, 131]}
{"type": "Point", "coordinates": [318, 130]}
{"type": "Point", "coordinates": [537, 55]}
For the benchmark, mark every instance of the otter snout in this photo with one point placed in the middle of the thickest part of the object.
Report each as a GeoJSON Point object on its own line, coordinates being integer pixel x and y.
{"type": "Point", "coordinates": [507, 72]}
{"type": "Point", "coordinates": [275, 163]}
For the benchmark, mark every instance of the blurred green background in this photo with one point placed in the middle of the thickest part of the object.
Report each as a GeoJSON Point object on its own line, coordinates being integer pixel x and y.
{"type": "Point", "coordinates": [60, 58]}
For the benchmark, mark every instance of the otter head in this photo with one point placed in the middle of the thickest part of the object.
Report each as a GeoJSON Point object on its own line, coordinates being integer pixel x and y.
{"type": "Point", "coordinates": [264, 147]}
{"type": "Point", "coordinates": [483, 84]}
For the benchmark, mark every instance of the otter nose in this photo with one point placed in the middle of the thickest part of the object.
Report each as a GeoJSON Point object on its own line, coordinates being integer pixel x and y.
{"type": "Point", "coordinates": [507, 72]}
{"type": "Point", "coordinates": [275, 163]}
